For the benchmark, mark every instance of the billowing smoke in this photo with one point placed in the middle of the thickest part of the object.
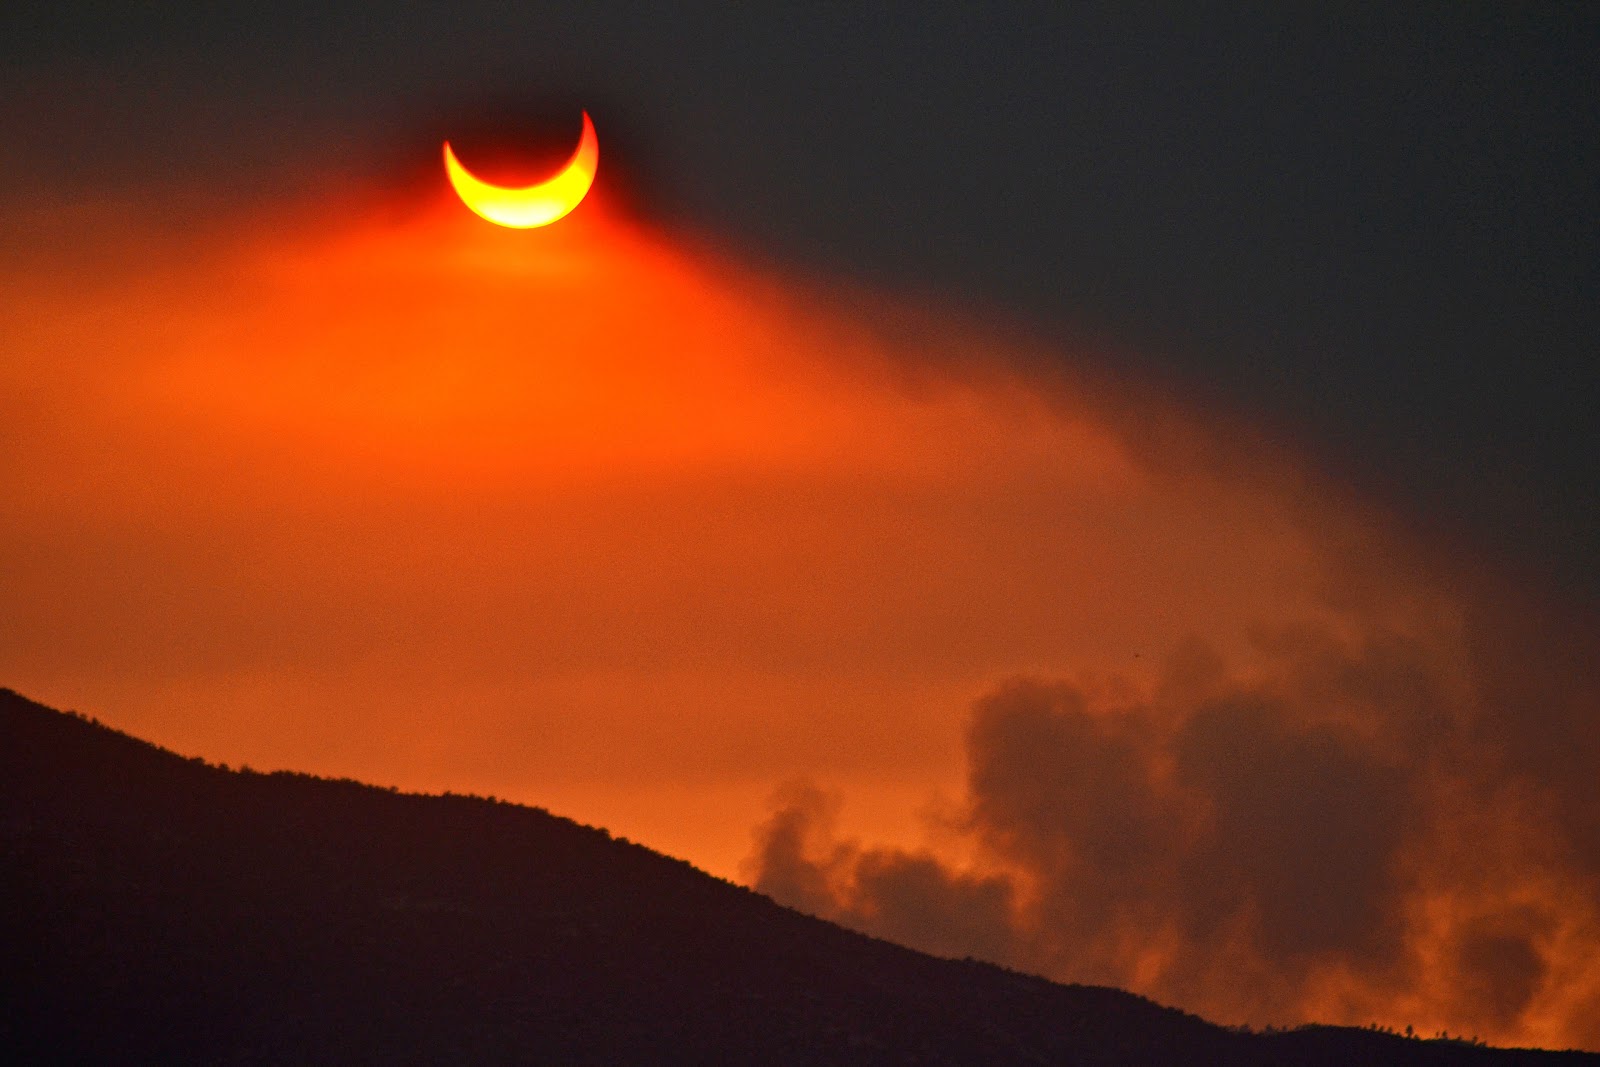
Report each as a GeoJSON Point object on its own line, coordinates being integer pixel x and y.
{"type": "Point", "coordinates": [1347, 835]}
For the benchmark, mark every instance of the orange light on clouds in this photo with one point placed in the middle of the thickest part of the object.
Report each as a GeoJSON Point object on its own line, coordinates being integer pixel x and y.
{"type": "Point", "coordinates": [540, 204]}
{"type": "Point", "coordinates": [653, 521]}
{"type": "Point", "coordinates": [607, 523]}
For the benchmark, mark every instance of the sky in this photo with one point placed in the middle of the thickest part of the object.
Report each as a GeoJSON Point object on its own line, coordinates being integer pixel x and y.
{"type": "Point", "coordinates": [1109, 492]}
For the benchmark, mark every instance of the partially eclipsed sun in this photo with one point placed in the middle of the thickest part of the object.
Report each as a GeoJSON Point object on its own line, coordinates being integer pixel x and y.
{"type": "Point", "coordinates": [530, 205]}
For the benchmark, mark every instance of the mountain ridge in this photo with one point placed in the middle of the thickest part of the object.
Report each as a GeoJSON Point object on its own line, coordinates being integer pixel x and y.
{"type": "Point", "coordinates": [158, 907]}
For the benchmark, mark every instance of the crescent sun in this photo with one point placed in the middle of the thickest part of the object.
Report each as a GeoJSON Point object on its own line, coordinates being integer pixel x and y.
{"type": "Point", "coordinates": [540, 204]}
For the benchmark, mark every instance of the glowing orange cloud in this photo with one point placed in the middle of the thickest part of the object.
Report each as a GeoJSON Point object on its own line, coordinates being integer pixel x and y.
{"type": "Point", "coordinates": [540, 204]}
{"type": "Point", "coordinates": [613, 524]}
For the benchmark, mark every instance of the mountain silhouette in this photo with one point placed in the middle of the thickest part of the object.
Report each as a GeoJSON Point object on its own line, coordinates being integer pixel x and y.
{"type": "Point", "coordinates": [157, 909]}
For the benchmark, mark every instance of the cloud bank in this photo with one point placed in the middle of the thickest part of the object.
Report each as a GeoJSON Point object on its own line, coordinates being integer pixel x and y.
{"type": "Point", "coordinates": [1341, 836]}
{"type": "Point", "coordinates": [601, 519]}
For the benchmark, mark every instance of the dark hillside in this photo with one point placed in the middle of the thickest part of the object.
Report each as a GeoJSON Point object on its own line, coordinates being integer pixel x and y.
{"type": "Point", "coordinates": [156, 909]}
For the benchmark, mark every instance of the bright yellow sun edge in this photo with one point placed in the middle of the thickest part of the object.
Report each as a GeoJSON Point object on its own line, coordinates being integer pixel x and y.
{"type": "Point", "coordinates": [529, 205]}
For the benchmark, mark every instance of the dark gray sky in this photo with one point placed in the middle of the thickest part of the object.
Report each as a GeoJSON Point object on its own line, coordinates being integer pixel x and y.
{"type": "Point", "coordinates": [1372, 232]}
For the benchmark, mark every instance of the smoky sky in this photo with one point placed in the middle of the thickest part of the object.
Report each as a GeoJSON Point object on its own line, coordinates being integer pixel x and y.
{"type": "Point", "coordinates": [1366, 242]}
{"type": "Point", "coordinates": [1369, 231]}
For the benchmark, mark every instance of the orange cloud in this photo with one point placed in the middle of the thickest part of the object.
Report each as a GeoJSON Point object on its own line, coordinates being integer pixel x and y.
{"type": "Point", "coordinates": [595, 518]}
{"type": "Point", "coordinates": [1330, 839]}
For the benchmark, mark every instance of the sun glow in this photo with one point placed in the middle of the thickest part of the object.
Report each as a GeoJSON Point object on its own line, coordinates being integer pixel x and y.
{"type": "Point", "coordinates": [527, 206]}
{"type": "Point", "coordinates": [614, 523]}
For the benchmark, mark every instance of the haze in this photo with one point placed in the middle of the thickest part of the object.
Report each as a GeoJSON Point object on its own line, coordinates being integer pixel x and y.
{"type": "Point", "coordinates": [863, 603]}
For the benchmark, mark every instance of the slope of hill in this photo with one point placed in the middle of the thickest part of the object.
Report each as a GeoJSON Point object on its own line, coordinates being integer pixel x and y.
{"type": "Point", "coordinates": [157, 909]}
